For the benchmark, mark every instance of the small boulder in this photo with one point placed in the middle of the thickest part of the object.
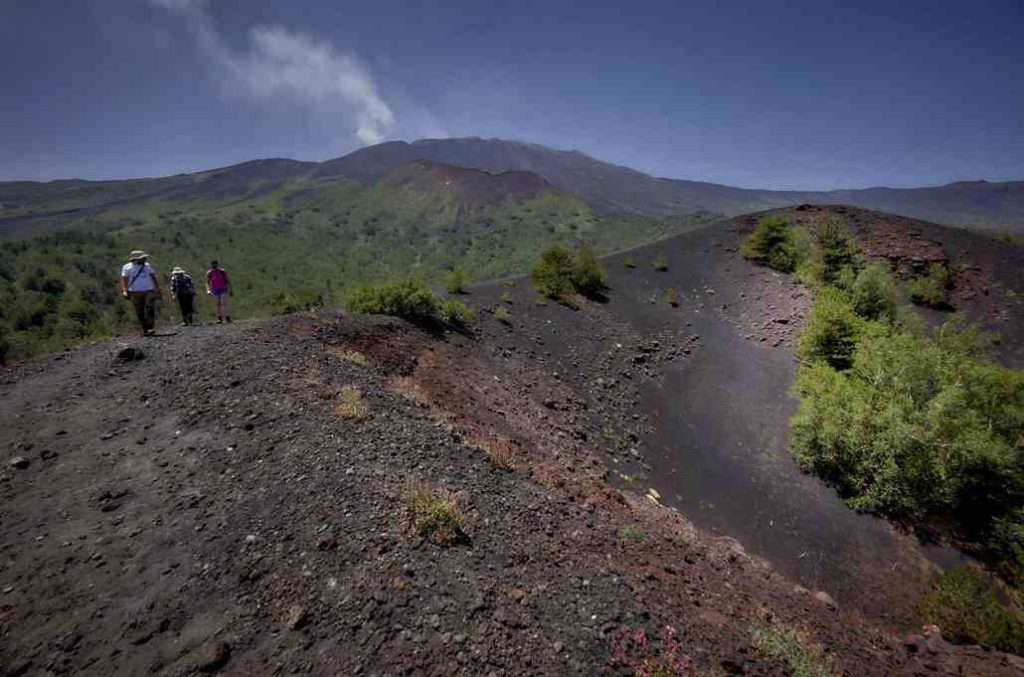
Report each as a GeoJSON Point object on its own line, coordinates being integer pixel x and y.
{"type": "Point", "coordinates": [297, 617]}
{"type": "Point", "coordinates": [826, 599]}
{"type": "Point", "coordinates": [19, 462]}
{"type": "Point", "coordinates": [215, 658]}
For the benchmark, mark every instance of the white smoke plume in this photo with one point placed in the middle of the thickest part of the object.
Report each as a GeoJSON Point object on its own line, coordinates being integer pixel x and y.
{"type": "Point", "coordinates": [281, 64]}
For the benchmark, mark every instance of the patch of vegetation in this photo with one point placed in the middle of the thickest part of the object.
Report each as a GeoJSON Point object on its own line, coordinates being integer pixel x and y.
{"type": "Point", "coordinates": [409, 297]}
{"type": "Point", "coordinates": [672, 296]}
{"type": "Point", "coordinates": [962, 602]}
{"type": "Point", "coordinates": [499, 451]}
{"type": "Point", "coordinates": [434, 515]}
{"type": "Point", "coordinates": [794, 649]}
{"type": "Point", "coordinates": [628, 262]}
{"type": "Point", "coordinates": [631, 534]}
{"type": "Point", "coordinates": [660, 263]}
{"type": "Point", "coordinates": [286, 302]}
{"type": "Point", "coordinates": [831, 330]}
{"type": "Point", "coordinates": [350, 405]}
{"type": "Point", "coordinates": [455, 312]}
{"type": "Point", "coordinates": [505, 297]}
{"type": "Point", "coordinates": [455, 280]}
{"type": "Point", "coordinates": [776, 244]}
{"type": "Point", "coordinates": [873, 292]}
{"type": "Point", "coordinates": [933, 289]}
{"type": "Point", "coordinates": [832, 254]}
{"type": "Point", "coordinates": [502, 315]}
{"type": "Point", "coordinates": [560, 272]}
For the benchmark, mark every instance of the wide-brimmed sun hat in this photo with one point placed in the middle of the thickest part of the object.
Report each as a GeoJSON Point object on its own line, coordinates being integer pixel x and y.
{"type": "Point", "coordinates": [176, 270]}
{"type": "Point", "coordinates": [137, 254]}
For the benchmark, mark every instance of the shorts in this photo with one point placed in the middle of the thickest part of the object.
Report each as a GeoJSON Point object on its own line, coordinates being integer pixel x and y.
{"type": "Point", "coordinates": [219, 292]}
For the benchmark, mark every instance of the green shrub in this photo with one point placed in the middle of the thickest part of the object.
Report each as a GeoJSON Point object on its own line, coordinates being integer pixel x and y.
{"type": "Point", "coordinates": [832, 252]}
{"type": "Point", "coordinates": [502, 315]}
{"type": "Point", "coordinates": [455, 280]}
{"type": "Point", "coordinates": [553, 273]}
{"type": "Point", "coordinates": [831, 329]}
{"type": "Point", "coordinates": [874, 293]}
{"type": "Point", "coordinates": [560, 272]}
{"type": "Point", "coordinates": [933, 289]}
{"type": "Point", "coordinates": [672, 296]}
{"type": "Point", "coordinates": [588, 275]}
{"type": "Point", "coordinates": [405, 298]}
{"type": "Point", "coordinates": [455, 312]}
{"type": "Point", "coordinates": [628, 262]}
{"type": "Point", "coordinates": [776, 244]}
{"type": "Point", "coordinates": [964, 605]}
{"type": "Point", "coordinates": [631, 534]}
{"type": "Point", "coordinates": [660, 263]}
{"type": "Point", "coordinates": [918, 426]}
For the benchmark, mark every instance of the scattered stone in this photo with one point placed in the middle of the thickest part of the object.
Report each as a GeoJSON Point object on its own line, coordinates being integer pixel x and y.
{"type": "Point", "coordinates": [826, 599]}
{"type": "Point", "coordinates": [19, 462]}
{"type": "Point", "coordinates": [48, 454]}
{"type": "Point", "coordinates": [297, 617]}
{"type": "Point", "coordinates": [216, 657]}
{"type": "Point", "coordinates": [130, 354]}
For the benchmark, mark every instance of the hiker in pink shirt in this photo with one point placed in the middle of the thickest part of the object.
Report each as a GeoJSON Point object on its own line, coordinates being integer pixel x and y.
{"type": "Point", "coordinates": [218, 286]}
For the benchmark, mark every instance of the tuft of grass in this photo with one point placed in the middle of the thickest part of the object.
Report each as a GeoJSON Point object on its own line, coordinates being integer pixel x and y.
{"type": "Point", "coordinates": [505, 297]}
{"type": "Point", "coordinates": [502, 315]}
{"type": "Point", "coordinates": [350, 404]}
{"type": "Point", "coordinates": [353, 356]}
{"type": "Point", "coordinates": [631, 534]}
{"type": "Point", "coordinates": [629, 263]}
{"type": "Point", "coordinates": [965, 606]}
{"type": "Point", "coordinates": [660, 263]}
{"type": "Point", "coordinates": [795, 649]}
{"type": "Point", "coordinates": [499, 451]}
{"type": "Point", "coordinates": [434, 515]}
{"type": "Point", "coordinates": [672, 296]}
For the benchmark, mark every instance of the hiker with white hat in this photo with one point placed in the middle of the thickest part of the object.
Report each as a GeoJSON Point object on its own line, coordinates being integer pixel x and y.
{"type": "Point", "coordinates": [140, 285]}
{"type": "Point", "coordinates": [184, 290]}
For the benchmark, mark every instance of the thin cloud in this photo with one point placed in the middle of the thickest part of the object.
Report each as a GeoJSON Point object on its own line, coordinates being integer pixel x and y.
{"type": "Point", "coordinates": [282, 64]}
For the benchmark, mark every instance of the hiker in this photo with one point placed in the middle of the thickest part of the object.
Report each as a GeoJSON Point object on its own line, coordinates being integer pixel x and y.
{"type": "Point", "coordinates": [218, 286]}
{"type": "Point", "coordinates": [184, 290]}
{"type": "Point", "coordinates": [140, 285]}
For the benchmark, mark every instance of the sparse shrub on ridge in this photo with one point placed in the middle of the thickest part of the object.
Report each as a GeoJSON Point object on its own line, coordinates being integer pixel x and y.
{"type": "Point", "coordinates": [560, 272]}
{"type": "Point", "coordinates": [874, 292]}
{"type": "Point", "coordinates": [831, 330]}
{"type": "Point", "coordinates": [933, 289]}
{"type": "Point", "coordinates": [299, 300]}
{"type": "Point", "coordinates": [409, 297]}
{"type": "Point", "coordinates": [776, 244]}
{"type": "Point", "coordinates": [660, 263]}
{"type": "Point", "coordinates": [455, 312]}
{"type": "Point", "coordinates": [832, 252]}
{"type": "Point", "coordinates": [455, 280]}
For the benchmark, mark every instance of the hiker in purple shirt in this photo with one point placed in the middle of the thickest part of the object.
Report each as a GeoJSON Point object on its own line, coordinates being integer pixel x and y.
{"type": "Point", "coordinates": [218, 286]}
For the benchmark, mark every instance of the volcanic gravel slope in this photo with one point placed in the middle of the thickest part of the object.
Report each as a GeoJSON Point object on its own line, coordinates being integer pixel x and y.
{"type": "Point", "coordinates": [197, 503]}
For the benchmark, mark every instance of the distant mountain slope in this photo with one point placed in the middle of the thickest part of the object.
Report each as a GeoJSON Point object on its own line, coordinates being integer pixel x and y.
{"type": "Point", "coordinates": [470, 188]}
{"type": "Point", "coordinates": [27, 208]}
{"type": "Point", "coordinates": [609, 187]}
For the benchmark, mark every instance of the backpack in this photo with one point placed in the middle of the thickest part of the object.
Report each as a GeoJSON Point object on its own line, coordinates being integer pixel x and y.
{"type": "Point", "coordinates": [185, 285]}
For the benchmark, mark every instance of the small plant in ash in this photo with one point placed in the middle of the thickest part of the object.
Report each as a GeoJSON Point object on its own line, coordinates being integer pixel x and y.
{"type": "Point", "coordinates": [933, 289]}
{"type": "Point", "coordinates": [631, 534]}
{"type": "Point", "coordinates": [633, 649]}
{"type": "Point", "coordinates": [505, 297]}
{"type": "Point", "coordinates": [434, 514]}
{"type": "Point", "coordinates": [795, 649]}
{"type": "Point", "coordinates": [629, 263]}
{"type": "Point", "coordinates": [350, 404]}
{"type": "Point", "coordinates": [455, 280]}
{"type": "Point", "coordinates": [499, 450]}
{"type": "Point", "coordinates": [672, 296]}
{"type": "Point", "coordinates": [660, 263]}
{"type": "Point", "coordinates": [502, 315]}
{"type": "Point", "coordinates": [455, 312]}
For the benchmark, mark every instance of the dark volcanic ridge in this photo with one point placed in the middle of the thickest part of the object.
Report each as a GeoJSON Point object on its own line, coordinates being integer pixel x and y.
{"type": "Point", "coordinates": [212, 503]}
{"type": "Point", "coordinates": [469, 188]}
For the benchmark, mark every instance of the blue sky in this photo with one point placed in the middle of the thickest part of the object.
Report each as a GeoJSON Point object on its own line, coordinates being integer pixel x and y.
{"type": "Point", "coordinates": [786, 95]}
